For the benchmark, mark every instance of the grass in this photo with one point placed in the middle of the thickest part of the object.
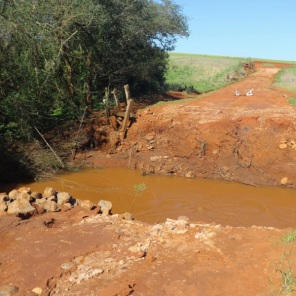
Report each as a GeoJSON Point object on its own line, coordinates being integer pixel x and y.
{"type": "Point", "coordinates": [292, 101]}
{"type": "Point", "coordinates": [290, 237]}
{"type": "Point", "coordinates": [203, 73]}
{"type": "Point", "coordinates": [286, 78]}
{"type": "Point", "coordinates": [138, 189]}
{"type": "Point", "coordinates": [286, 266]}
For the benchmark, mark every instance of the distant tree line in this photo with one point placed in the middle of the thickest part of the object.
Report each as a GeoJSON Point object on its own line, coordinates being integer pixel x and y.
{"type": "Point", "coordinates": [56, 57]}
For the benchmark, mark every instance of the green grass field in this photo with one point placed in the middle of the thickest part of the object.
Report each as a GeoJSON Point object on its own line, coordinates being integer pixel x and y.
{"type": "Point", "coordinates": [203, 73]}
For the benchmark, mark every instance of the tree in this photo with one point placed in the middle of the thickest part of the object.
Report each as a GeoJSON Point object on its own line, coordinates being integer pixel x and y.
{"type": "Point", "coordinates": [56, 55]}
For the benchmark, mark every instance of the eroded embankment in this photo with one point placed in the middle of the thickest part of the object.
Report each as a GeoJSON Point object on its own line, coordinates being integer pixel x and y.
{"type": "Point", "coordinates": [248, 139]}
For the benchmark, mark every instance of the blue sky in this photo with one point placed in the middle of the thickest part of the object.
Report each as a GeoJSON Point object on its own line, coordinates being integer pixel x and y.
{"type": "Point", "coordinates": [241, 28]}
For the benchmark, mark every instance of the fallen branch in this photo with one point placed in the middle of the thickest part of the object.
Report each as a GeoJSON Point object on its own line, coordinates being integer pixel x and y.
{"type": "Point", "coordinates": [56, 156]}
{"type": "Point", "coordinates": [75, 144]}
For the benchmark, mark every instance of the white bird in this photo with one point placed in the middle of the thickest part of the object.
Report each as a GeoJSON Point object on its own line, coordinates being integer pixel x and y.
{"type": "Point", "coordinates": [250, 93]}
{"type": "Point", "coordinates": [237, 93]}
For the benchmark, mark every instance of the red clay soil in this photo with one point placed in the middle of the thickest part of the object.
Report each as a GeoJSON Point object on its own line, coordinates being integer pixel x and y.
{"type": "Point", "coordinates": [216, 135]}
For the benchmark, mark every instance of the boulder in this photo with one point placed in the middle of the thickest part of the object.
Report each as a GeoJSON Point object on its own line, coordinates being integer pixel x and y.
{"type": "Point", "coordinates": [63, 197]}
{"type": "Point", "coordinates": [48, 192]}
{"type": "Point", "coordinates": [25, 190]}
{"type": "Point", "coordinates": [24, 195]}
{"type": "Point", "coordinates": [51, 206]}
{"type": "Point", "coordinates": [13, 194]}
{"type": "Point", "coordinates": [39, 208]}
{"type": "Point", "coordinates": [36, 195]}
{"type": "Point", "coordinates": [87, 205]}
{"type": "Point", "coordinates": [21, 206]}
{"type": "Point", "coordinates": [106, 207]}
{"type": "Point", "coordinates": [40, 201]}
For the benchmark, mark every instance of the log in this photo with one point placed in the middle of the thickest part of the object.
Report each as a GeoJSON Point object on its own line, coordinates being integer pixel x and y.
{"type": "Point", "coordinates": [126, 119]}
{"type": "Point", "coordinates": [127, 93]}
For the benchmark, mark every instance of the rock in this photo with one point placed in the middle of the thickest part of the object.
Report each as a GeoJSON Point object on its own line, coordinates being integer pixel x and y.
{"type": "Point", "coordinates": [63, 197]}
{"type": "Point", "coordinates": [85, 274]}
{"type": "Point", "coordinates": [4, 197]}
{"type": "Point", "coordinates": [52, 198]}
{"type": "Point", "coordinates": [283, 146]}
{"type": "Point", "coordinates": [3, 206]}
{"type": "Point", "coordinates": [37, 291]}
{"type": "Point", "coordinates": [79, 259]}
{"type": "Point", "coordinates": [128, 216]}
{"type": "Point", "coordinates": [8, 290]}
{"type": "Point", "coordinates": [51, 206]}
{"type": "Point", "coordinates": [48, 192]}
{"type": "Point", "coordinates": [67, 265]}
{"type": "Point", "coordinates": [150, 136]}
{"type": "Point", "coordinates": [176, 226]}
{"type": "Point", "coordinates": [284, 181]}
{"type": "Point", "coordinates": [25, 190]}
{"type": "Point", "coordinates": [39, 208]}
{"type": "Point", "coordinates": [189, 174]}
{"type": "Point", "coordinates": [87, 205]}
{"type": "Point", "coordinates": [168, 169]}
{"type": "Point", "coordinates": [23, 195]}
{"type": "Point", "coordinates": [66, 206]}
{"type": "Point", "coordinates": [183, 218]}
{"type": "Point", "coordinates": [215, 152]}
{"type": "Point", "coordinates": [21, 206]}
{"type": "Point", "coordinates": [40, 201]}
{"type": "Point", "coordinates": [36, 195]}
{"type": "Point", "coordinates": [106, 207]}
{"type": "Point", "coordinates": [13, 194]}
{"type": "Point", "coordinates": [155, 158]}
{"type": "Point", "coordinates": [76, 202]}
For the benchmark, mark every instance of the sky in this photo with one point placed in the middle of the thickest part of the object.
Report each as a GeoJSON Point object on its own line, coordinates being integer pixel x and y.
{"type": "Point", "coordinates": [263, 29]}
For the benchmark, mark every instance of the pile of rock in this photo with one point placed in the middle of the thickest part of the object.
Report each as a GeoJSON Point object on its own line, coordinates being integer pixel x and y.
{"type": "Point", "coordinates": [25, 203]}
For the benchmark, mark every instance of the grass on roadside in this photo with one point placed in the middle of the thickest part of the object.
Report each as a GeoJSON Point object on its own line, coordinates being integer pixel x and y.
{"type": "Point", "coordinates": [292, 101]}
{"type": "Point", "coordinates": [290, 237]}
{"type": "Point", "coordinates": [203, 73]}
{"type": "Point", "coordinates": [286, 78]}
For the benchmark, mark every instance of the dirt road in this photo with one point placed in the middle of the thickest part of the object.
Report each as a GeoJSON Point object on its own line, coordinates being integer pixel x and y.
{"type": "Point", "coordinates": [247, 139]}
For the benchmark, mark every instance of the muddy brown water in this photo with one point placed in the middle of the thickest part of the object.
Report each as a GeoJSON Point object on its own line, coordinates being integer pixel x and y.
{"type": "Point", "coordinates": [170, 197]}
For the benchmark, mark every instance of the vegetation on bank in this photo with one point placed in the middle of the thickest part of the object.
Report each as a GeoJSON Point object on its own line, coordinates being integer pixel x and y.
{"type": "Point", "coordinates": [203, 73]}
{"type": "Point", "coordinates": [58, 57]}
{"type": "Point", "coordinates": [286, 78]}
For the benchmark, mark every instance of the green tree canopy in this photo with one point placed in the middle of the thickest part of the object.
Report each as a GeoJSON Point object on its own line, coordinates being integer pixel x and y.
{"type": "Point", "coordinates": [61, 54]}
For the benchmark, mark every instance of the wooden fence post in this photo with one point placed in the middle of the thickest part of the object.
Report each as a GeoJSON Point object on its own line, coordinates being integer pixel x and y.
{"type": "Point", "coordinates": [126, 119]}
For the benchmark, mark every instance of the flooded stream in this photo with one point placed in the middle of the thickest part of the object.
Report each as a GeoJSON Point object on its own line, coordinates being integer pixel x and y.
{"type": "Point", "coordinates": [170, 197]}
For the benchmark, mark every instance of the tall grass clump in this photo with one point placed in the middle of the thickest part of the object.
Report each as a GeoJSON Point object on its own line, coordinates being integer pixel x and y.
{"type": "Point", "coordinates": [202, 73]}
{"type": "Point", "coordinates": [286, 78]}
